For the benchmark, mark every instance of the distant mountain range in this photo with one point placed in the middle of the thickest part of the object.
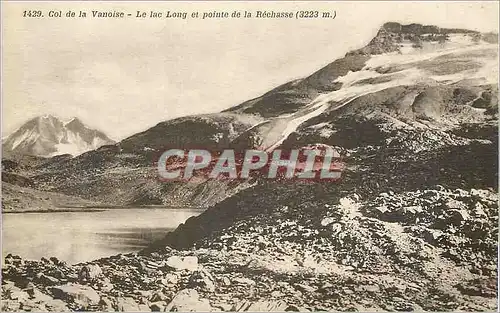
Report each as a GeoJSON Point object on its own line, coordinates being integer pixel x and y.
{"type": "Point", "coordinates": [48, 136]}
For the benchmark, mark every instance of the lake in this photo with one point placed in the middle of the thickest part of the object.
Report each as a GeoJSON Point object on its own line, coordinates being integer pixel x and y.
{"type": "Point", "coordinates": [83, 236]}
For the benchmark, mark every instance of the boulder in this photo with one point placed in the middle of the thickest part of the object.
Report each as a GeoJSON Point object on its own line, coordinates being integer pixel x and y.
{"type": "Point", "coordinates": [178, 263]}
{"type": "Point", "coordinates": [47, 280]}
{"type": "Point", "coordinates": [57, 262]}
{"type": "Point", "coordinates": [15, 260]}
{"type": "Point", "coordinates": [89, 272]}
{"type": "Point", "coordinates": [170, 279]}
{"type": "Point", "coordinates": [458, 217]}
{"type": "Point", "coordinates": [336, 228]}
{"type": "Point", "coordinates": [226, 281]}
{"type": "Point", "coordinates": [83, 296]}
{"type": "Point", "coordinates": [455, 204]}
{"type": "Point", "coordinates": [202, 279]}
{"type": "Point", "coordinates": [368, 288]}
{"type": "Point", "coordinates": [327, 221]}
{"type": "Point", "coordinates": [187, 300]}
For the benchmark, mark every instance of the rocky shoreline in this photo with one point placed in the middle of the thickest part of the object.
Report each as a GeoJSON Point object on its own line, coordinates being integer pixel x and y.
{"type": "Point", "coordinates": [353, 255]}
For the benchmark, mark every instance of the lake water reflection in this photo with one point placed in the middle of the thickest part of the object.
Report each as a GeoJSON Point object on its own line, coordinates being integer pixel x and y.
{"type": "Point", "coordinates": [82, 236]}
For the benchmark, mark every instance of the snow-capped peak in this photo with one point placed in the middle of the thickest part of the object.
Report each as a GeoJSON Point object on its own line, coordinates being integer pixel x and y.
{"type": "Point", "coordinates": [48, 136]}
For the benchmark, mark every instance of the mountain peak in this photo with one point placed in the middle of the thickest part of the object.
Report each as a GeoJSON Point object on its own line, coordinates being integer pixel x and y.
{"type": "Point", "coordinates": [392, 36]}
{"type": "Point", "coordinates": [43, 118]}
{"type": "Point", "coordinates": [48, 116]}
{"type": "Point", "coordinates": [420, 29]}
{"type": "Point", "coordinates": [47, 135]}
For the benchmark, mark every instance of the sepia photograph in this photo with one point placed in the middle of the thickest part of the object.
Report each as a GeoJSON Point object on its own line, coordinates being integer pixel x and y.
{"type": "Point", "coordinates": [260, 156]}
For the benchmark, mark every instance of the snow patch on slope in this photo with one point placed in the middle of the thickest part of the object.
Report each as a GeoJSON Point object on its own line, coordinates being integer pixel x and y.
{"type": "Point", "coordinates": [29, 136]}
{"type": "Point", "coordinates": [352, 89]}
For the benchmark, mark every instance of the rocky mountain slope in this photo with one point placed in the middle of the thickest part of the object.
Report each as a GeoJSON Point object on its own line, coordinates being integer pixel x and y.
{"type": "Point", "coordinates": [48, 136]}
{"type": "Point", "coordinates": [409, 81]}
{"type": "Point", "coordinates": [412, 224]}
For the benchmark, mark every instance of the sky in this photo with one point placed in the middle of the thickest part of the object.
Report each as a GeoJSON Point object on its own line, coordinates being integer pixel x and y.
{"type": "Point", "coordinates": [123, 76]}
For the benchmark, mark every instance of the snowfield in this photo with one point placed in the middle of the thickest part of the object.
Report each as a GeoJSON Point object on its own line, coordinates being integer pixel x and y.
{"type": "Point", "coordinates": [352, 86]}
